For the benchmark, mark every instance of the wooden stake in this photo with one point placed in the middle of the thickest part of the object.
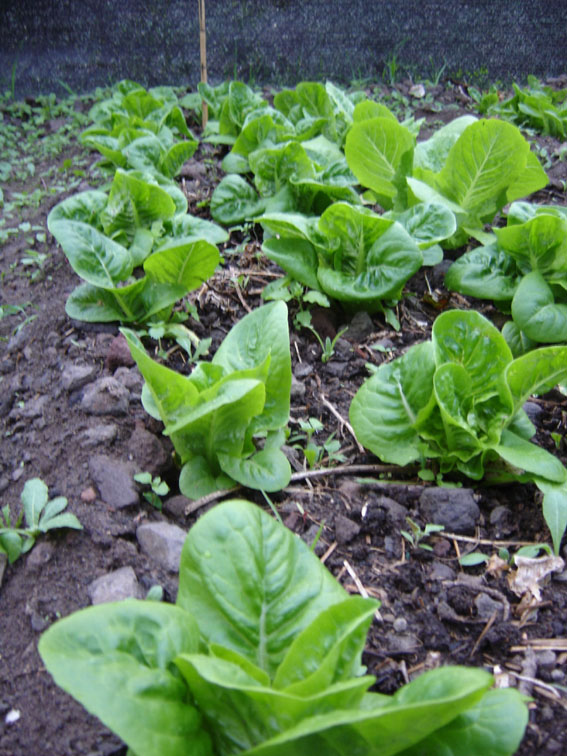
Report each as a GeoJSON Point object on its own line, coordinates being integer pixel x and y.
{"type": "Point", "coordinates": [203, 51]}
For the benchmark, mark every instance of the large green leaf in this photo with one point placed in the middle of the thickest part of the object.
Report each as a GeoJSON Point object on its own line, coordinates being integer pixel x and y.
{"type": "Point", "coordinates": [432, 153]}
{"type": "Point", "coordinates": [97, 259]}
{"type": "Point", "coordinates": [263, 332]}
{"type": "Point", "coordinates": [417, 710]}
{"type": "Point", "coordinates": [540, 244]}
{"type": "Point", "coordinates": [251, 584]}
{"type": "Point", "coordinates": [234, 201]}
{"type": "Point", "coordinates": [116, 659]}
{"type": "Point", "coordinates": [297, 257]}
{"type": "Point", "coordinates": [481, 165]}
{"type": "Point", "coordinates": [85, 207]}
{"type": "Point", "coordinates": [536, 313]}
{"type": "Point", "coordinates": [533, 459]}
{"type": "Point", "coordinates": [536, 372]}
{"type": "Point", "coordinates": [184, 228]}
{"type": "Point", "coordinates": [273, 167]}
{"type": "Point", "coordinates": [385, 408]}
{"type": "Point", "coordinates": [479, 730]}
{"type": "Point", "coordinates": [266, 470]}
{"type": "Point", "coordinates": [379, 152]}
{"type": "Point", "coordinates": [554, 509]}
{"type": "Point", "coordinates": [428, 223]}
{"type": "Point", "coordinates": [188, 265]}
{"type": "Point", "coordinates": [485, 273]}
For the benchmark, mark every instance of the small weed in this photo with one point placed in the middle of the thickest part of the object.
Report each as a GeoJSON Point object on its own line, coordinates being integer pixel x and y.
{"type": "Point", "coordinates": [416, 535]}
{"type": "Point", "coordinates": [158, 487]}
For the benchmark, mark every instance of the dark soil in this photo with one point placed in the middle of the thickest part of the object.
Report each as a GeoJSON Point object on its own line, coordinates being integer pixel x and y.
{"type": "Point", "coordinates": [433, 612]}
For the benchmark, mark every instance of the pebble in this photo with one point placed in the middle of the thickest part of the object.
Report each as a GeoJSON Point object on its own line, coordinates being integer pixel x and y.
{"type": "Point", "coordinates": [162, 542]}
{"type": "Point", "coordinates": [131, 378]}
{"type": "Point", "coordinates": [105, 396]}
{"type": "Point", "coordinates": [360, 327]}
{"type": "Point", "coordinates": [76, 376]}
{"type": "Point", "coordinates": [31, 409]}
{"type": "Point", "coordinates": [486, 606]}
{"type": "Point", "coordinates": [533, 411]}
{"type": "Point", "coordinates": [400, 624]}
{"type": "Point", "coordinates": [118, 354]}
{"type": "Point", "coordinates": [297, 388]}
{"type": "Point", "coordinates": [115, 586]}
{"type": "Point", "coordinates": [39, 556]}
{"type": "Point", "coordinates": [345, 530]}
{"type": "Point", "coordinates": [546, 659]}
{"type": "Point", "coordinates": [98, 435]}
{"type": "Point", "coordinates": [114, 480]}
{"type": "Point", "coordinates": [303, 370]}
{"type": "Point", "coordinates": [88, 495]}
{"type": "Point", "coordinates": [176, 506]}
{"type": "Point", "coordinates": [455, 508]}
{"type": "Point", "coordinates": [441, 571]}
{"type": "Point", "coordinates": [147, 451]}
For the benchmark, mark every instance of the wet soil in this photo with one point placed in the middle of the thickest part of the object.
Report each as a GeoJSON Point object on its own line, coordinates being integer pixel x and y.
{"type": "Point", "coordinates": [432, 612]}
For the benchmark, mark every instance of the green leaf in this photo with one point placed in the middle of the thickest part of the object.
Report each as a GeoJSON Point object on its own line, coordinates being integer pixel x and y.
{"type": "Point", "coordinates": [116, 659]}
{"type": "Point", "coordinates": [34, 498]}
{"type": "Point", "coordinates": [262, 332]}
{"type": "Point", "coordinates": [536, 372]}
{"type": "Point", "coordinates": [197, 479]}
{"type": "Point", "coordinates": [234, 201]}
{"type": "Point", "coordinates": [485, 273]}
{"type": "Point", "coordinates": [385, 408]}
{"type": "Point", "coordinates": [479, 730]}
{"type": "Point", "coordinates": [12, 544]}
{"type": "Point", "coordinates": [171, 162]}
{"type": "Point", "coordinates": [328, 650]}
{"type": "Point", "coordinates": [531, 458]}
{"type": "Point", "coordinates": [554, 509]}
{"type": "Point", "coordinates": [379, 152]}
{"type": "Point", "coordinates": [536, 313]}
{"type": "Point", "coordinates": [267, 470]}
{"type": "Point", "coordinates": [251, 584]}
{"type": "Point", "coordinates": [432, 154]}
{"type": "Point", "coordinates": [188, 265]}
{"type": "Point", "coordinates": [428, 223]}
{"type": "Point", "coordinates": [539, 244]}
{"type": "Point", "coordinates": [297, 257]}
{"type": "Point", "coordinates": [65, 520]}
{"type": "Point", "coordinates": [99, 260]}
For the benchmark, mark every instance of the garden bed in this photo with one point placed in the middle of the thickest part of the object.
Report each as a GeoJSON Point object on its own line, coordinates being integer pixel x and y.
{"type": "Point", "coordinates": [85, 439]}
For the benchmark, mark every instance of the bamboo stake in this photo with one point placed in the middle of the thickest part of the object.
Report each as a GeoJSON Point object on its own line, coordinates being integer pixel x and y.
{"type": "Point", "coordinates": [203, 51]}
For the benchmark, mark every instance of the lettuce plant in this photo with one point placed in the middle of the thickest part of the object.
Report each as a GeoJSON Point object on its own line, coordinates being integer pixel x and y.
{"type": "Point", "coordinates": [458, 399]}
{"type": "Point", "coordinates": [220, 415]}
{"type": "Point", "coordinates": [525, 269]}
{"type": "Point", "coordinates": [350, 253]}
{"type": "Point", "coordinates": [261, 655]}
{"type": "Point", "coordinates": [142, 130]}
{"type": "Point", "coordinates": [106, 237]}
{"type": "Point", "coordinates": [472, 167]}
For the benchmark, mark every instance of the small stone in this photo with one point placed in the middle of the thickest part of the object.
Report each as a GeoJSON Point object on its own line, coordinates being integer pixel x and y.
{"type": "Point", "coordinates": [441, 571]}
{"type": "Point", "coordinates": [88, 495]}
{"type": "Point", "coordinates": [76, 376]}
{"type": "Point", "coordinates": [176, 506]}
{"type": "Point", "coordinates": [297, 388]}
{"type": "Point", "coordinates": [98, 435]}
{"type": "Point", "coordinates": [38, 623]}
{"type": "Point", "coordinates": [401, 643]}
{"type": "Point", "coordinates": [3, 563]}
{"type": "Point", "coordinates": [345, 530]}
{"type": "Point", "coordinates": [396, 511]}
{"type": "Point", "coordinates": [30, 409]}
{"type": "Point", "coordinates": [162, 542]}
{"type": "Point", "coordinates": [400, 624]}
{"type": "Point", "coordinates": [106, 396]}
{"type": "Point", "coordinates": [360, 327]}
{"type": "Point", "coordinates": [533, 411]}
{"type": "Point", "coordinates": [114, 480]}
{"type": "Point", "coordinates": [486, 607]}
{"type": "Point", "coordinates": [147, 451]}
{"type": "Point", "coordinates": [558, 676]}
{"type": "Point", "coordinates": [455, 508]}
{"type": "Point", "coordinates": [115, 586]}
{"type": "Point", "coordinates": [303, 370]}
{"type": "Point", "coordinates": [39, 555]}
{"type": "Point", "coordinates": [131, 378]}
{"type": "Point", "coordinates": [118, 354]}
{"type": "Point", "coordinates": [546, 659]}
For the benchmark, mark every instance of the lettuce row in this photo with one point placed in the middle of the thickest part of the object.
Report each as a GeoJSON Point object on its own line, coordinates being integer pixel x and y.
{"type": "Point", "coordinates": [218, 416]}
{"type": "Point", "coordinates": [261, 655]}
{"type": "Point", "coordinates": [523, 269]}
{"type": "Point", "coordinates": [458, 399]}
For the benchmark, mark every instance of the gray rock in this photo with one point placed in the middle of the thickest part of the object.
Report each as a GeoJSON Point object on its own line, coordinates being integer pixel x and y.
{"type": "Point", "coordinates": [115, 586]}
{"type": "Point", "coordinates": [345, 529]}
{"type": "Point", "coordinates": [3, 563]}
{"type": "Point", "coordinates": [98, 435]}
{"type": "Point", "coordinates": [131, 378]}
{"type": "Point", "coordinates": [147, 451]}
{"type": "Point", "coordinates": [400, 624]}
{"type": "Point", "coordinates": [402, 643]}
{"type": "Point", "coordinates": [297, 388]}
{"type": "Point", "coordinates": [441, 571]}
{"type": "Point", "coordinates": [114, 480]}
{"type": "Point", "coordinates": [75, 376]}
{"type": "Point", "coordinates": [31, 409]}
{"type": "Point", "coordinates": [360, 327]}
{"type": "Point", "coordinates": [106, 396]}
{"type": "Point", "coordinates": [39, 555]}
{"type": "Point", "coordinates": [176, 506]}
{"type": "Point", "coordinates": [303, 370]}
{"type": "Point", "coordinates": [396, 511]}
{"type": "Point", "coordinates": [455, 508]}
{"type": "Point", "coordinates": [546, 659]}
{"type": "Point", "coordinates": [486, 606]}
{"type": "Point", "coordinates": [162, 542]}
{"type": "Point", "coordinates": [533, 411]}
{"type": "Point", "coordinates": [336, 368]}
